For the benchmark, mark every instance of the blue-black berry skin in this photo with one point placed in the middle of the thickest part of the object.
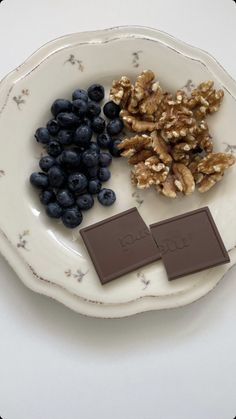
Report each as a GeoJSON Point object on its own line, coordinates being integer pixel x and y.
{"type": "Point", "coordinates": [96, 92]}
{"type": "Point", "coordinates": [94, 147]}
{"type": "Point", "coordinates": [98, 124]}
{"type": "Point", "coordinates": [42, 135]}
{"type": "Point", "coordinates": [77, 182]}
{"type": "Point", "coordinates": [54, 148]}
{"type": "Point", "coordinates": [54, 210]}
{"type": "Point", "coordinates": [104, 140]}
{"type": "Point", "coordinates": [94, 186]}
{"type": "Point", "coordinates": [111, 110]}
{"type": "Point", "coordinates": [70, 158]}
{"type": "Point", "coordinates": [65, 136]}
{"type": "Point", "coordinates": [114, 150]}
{"type": "Point", "coordinates": [85, 202]}
{"type": "Point", "coordinates": [46, 196]}
{"type": "Point", "coordinates": [87, 121]}
{"type": "Point", "coordinates": [39, 180]}
{"type": "Point", "coordinates": [83, 135]}
{"type": "Point", "coordinates": [61, 105]}
{"type": "Point", "coordinates": [46, 162]}
{"type": "Point", "coordinates": [79, 107]}
{"type": "Point", "coordinates": [56, 177]}
{"type": "Point", "coordinates": [65, 198]}
{"type": "Point", "coordinates": [106, 197]}
{"type": "Point", "coordinates": [90, 158]}
{"type": "Point", "coordinates": [105, 159]}
{"type": "Point", "coordinates": [104, 174]}
{"type": "Point", "coordinates": [115, 126]}
{"type": "Point", "coordinates": [68, 119]}
{"type": "Point", "coordinates": [53, 127]}
{"type": "Point", "coordinates": [94, 109]}
{"type": "Point", "coordinates": [80, 94]}
{"type": "Point", "coordinates": [92, 172]}
{"type": "Point", "coordinates": [72, 217]}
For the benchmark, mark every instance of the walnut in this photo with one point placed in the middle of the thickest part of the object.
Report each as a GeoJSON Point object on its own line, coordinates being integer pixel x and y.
{"type": "Point", "coordinates": [161, 148]}
{"type": "Point", "coordinates": [138, 142]}
{"type": "Point", "coordinates": [215, 163]}
{"type": "Point", "coordinates": [168, 188]}
{"type": "Point", "coordinates": [184, 180]}
{"type": "Point", "coordinates": [172, 149]}
{"type": "Point", "coordinates": [208, 181]}
{"type": "Point", "coordinates": [139, 156]}
{"type": "Point", "coordinates": [150, 105]}
{"type": "Point", "coordinates": [180, 151]}
{"type": "Point", "coordinates": [177, 122]}
{"type": "Point", "coordinates": [211, 169]}
{"type": "Point", "coordinates": [140, 90]}
{"type": "Point", "coordinates": [121, 91]}
{"type": "Point", "coordinates": [135, 124]}
{"type": "Point", "coordinates": [205, 99]}
{"type": "Point", "coordinates": [143, 176]}
{"type": "Point", "coordinates": [204, 139]}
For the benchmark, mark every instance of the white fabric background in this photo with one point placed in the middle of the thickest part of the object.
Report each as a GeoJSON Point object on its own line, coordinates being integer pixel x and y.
{"type": "Point", "coordinates": [55, 364]}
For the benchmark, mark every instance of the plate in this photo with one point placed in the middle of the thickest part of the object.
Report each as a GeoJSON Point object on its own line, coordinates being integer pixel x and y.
{"type": "Point", "coordinates": [56, 256]}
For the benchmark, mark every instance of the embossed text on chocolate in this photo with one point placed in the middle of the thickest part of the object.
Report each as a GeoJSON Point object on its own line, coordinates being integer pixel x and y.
{"type": "Point", "coordinates": [130, 239]}
{"type": "Point", "coordinates": [172, 244]}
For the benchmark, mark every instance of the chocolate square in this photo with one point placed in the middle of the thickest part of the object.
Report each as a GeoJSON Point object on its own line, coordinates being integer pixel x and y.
{"type": "Point", "coordinates": [119, 244]}
{"type": "Point", "coordinates": [189, 243]}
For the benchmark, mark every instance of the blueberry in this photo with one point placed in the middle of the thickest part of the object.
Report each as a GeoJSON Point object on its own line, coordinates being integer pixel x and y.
{"type": "Point", "coordinates": [65, 198]}
{"type": "Point", "coordinates": [83, 135]}
{"type": "Point", "coordinates": [56, 176]}
{"type": "Point", "coordinates": [61, 105]}
{"type": "Point", "coordinates": [104, 174]}
{"type": "Point", "coordinates": [94, 109]}
{"type": "Point", "coordinates": [46, 162]}
{"type": "Point", "coordinates": [92, 172]}
{"type": "Point", "coordinates": [39, 180]}
{"type": "Point", "coordinates": [96, 92]}
{"type": "Point", "coordinates": [106, 197]}
{"type": "Point", "coordinates": [105, 159]}
{"type": "Point", "coordinates": [54, 148]}
{"type": "Point", "coordinates": [77, 182]}
{"type": "Point", "coordinates": [115, 126]}
{"type": "Point", "coordinates": [68, 119]}
{"type": "Point", "coordinates": [65, 137]}
{"type": "Point", "coordinates": [70, 158]}
{"type": "Point", "coordinates": [111, 110]}
{"type": "Point", "coordinates": [94, 147]}
{"type": "Point", "coordinates": [79, 107]}
{"type": "Point", "coordinates": [80, 94]}
{"type": "Point", "coordinates": [90, 158]}
{"type": "Point", "coordinates": [85, 201]}
{"type": "Point", "coordinates": [72, 217]}
{"type": "Point", "coordinates": [54, 210]}
{"type": "Point", "coordinates": [104, 140]}
{"type": "Point", "coordinates": [53, 126]}
{"type": "Point", "coordinates": [46, 197]}
{"type": "Point", "coordinates": [114, 150]}
{"type": "Point", "coordinates": [98, 124]}
{"type": "Point", "coordinates": [87, 121]}
{"type": "Point", "coordinates": [94, 186]}
{"type": "Point", "coordinates": [42, 135]}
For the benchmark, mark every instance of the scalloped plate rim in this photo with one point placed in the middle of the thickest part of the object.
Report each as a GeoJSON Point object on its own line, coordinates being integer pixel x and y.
{"type": "Point", "coordinates": [8, 82]}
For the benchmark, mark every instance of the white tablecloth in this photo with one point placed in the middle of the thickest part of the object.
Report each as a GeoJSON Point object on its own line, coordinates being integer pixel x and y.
{"type": "Point", "coordinates": [55, 364]}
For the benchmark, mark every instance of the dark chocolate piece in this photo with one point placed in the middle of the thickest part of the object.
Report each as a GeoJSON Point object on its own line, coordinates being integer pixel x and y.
{"type": "Point", "coordinates": [119, 244]}
{"type": "Point", "coordinates": [189, 243]}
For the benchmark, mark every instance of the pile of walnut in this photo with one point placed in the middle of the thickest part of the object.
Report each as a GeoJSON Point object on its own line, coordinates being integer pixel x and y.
{"type": "Point", "coordinates": [172, 148]}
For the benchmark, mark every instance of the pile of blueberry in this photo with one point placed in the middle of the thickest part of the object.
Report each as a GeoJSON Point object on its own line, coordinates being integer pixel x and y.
{"type": "Point", "coordinates": [75, 167]}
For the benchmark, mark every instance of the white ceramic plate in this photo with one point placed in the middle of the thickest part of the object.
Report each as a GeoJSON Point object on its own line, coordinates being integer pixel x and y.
{"type": "Point", "coordinates": [57, 256]}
